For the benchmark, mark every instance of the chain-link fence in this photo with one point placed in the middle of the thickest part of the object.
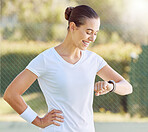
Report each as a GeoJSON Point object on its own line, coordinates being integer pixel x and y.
{"type": "Point", "coordinates": [29, 27]}
{"type": "Point", "coordinates": [138, 101]}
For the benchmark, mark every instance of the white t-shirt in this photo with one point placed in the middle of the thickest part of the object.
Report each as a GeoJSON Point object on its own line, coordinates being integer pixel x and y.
{"type": "Point", "coordinates": [68, 87]}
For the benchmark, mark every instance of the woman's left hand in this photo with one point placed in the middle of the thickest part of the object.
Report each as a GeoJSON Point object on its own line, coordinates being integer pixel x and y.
{"type": "Point", "coordinates": [102, 87]}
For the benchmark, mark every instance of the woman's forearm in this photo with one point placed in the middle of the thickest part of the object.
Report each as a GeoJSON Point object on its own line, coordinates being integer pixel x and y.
{"type": "Point", "coordinates": [15, 101]}
{"type": "Point", "coordinates": [123, 88]}
{"type": "Point", "coordinates": [16, 88]}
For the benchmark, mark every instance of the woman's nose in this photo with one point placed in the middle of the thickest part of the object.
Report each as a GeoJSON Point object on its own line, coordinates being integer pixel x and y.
{"type": "Point", "coordinates": [92, 38]}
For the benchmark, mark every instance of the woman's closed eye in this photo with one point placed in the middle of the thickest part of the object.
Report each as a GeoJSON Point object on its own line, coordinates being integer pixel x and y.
{"type": "Point", "coordinates": [89, 33]}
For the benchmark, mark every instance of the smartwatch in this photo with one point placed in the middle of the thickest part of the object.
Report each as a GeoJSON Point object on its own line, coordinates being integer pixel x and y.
{"type": "Point", "coordinates": [114, 85]}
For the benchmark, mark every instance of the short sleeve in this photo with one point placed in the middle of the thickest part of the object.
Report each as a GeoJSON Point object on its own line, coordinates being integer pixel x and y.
{"type": "Point", "coordinates": [100, 63]}
{"type": "Point", "coordinates": [37, 65]}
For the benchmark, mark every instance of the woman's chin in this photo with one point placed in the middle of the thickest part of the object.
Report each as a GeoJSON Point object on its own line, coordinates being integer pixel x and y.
{"type": "Point", "coordinates": [83, 48]}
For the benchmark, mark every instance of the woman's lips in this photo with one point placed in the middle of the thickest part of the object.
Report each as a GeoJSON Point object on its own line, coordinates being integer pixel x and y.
{"type": "Point", "coordinates": [85, 43]}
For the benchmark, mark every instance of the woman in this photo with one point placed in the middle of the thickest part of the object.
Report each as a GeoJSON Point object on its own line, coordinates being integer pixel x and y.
{"type": "Point", "coordinates": [66, 75]}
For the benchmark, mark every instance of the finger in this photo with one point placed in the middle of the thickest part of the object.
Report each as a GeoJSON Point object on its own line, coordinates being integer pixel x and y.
{"type": "Point", "coordinates": [105, 85]}
{"type": "Point", "coordinates": [98, 86]}
{"type": "Point", "coordinates": [55, 123]}
{"type": "Point", "coordinates": [100, 92]}
{"type": "Point", "coordinates": [95, 89]}
{"type": "Point", "coordinates": [57, 115]}
{"type": "Point", "coordinates": [105, 92]}
{"type": "Point", "coordinates": [97, 93]}
{"type": "Point", "coordinates": [101, 86]}
{"type": "Point", "coordinates": [56, 111]}
{"type": "Point", "coordinates": [57, 119]}
{"type": "Point", "coordinates": [104, 88]}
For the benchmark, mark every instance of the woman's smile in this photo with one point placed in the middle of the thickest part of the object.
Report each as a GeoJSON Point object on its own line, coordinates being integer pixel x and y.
{"type": "Point", "coordinates": [85, 43]}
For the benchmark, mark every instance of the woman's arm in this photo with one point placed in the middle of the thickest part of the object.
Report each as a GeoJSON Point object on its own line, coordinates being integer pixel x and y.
{"type": "Point", "coordinates": [17, 87]}
{"type": "Point", "coordinates": [13, 97]}
{"type": "Point", "coordinates": [122, 86]}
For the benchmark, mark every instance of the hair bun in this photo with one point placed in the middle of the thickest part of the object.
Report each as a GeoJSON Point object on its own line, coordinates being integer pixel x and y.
{"type": "Point", "coordinates": [68, 12]}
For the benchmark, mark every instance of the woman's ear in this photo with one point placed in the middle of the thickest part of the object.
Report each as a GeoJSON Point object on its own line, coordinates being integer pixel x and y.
{"type": "Point", "coordinates": [72, 26]}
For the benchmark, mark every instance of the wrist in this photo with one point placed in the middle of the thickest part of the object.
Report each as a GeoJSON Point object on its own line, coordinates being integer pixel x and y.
{"type": "Point", "coordinates": [29, 115]}
{"type": "Point", "coordinates": [114, 85]}
{"type": "Point", "coordinates": [38, 122]}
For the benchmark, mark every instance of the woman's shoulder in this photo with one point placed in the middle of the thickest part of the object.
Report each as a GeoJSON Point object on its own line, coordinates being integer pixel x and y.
{"type": "Point", "coordinates": [93, 55]}
{"type": "Point", "coordinates": [47, 52]}
{"type": "Point", "coordinates": [90, 53]}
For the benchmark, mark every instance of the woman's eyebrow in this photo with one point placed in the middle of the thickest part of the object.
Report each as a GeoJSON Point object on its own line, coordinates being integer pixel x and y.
{"type": "Point", "coordinates": [91, 29]}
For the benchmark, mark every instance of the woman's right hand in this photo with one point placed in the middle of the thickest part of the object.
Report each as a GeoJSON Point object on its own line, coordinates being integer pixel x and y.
{"type": "Point", "coordinates": [50, 118]}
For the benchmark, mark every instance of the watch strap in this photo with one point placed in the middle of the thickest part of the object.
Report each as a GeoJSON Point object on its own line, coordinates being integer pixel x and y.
{"type": "Point", "coordinates": [114, 85]}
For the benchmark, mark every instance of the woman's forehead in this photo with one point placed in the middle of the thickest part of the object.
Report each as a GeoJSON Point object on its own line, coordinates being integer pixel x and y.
{"type": "Point", "coordinates": [92, 24]}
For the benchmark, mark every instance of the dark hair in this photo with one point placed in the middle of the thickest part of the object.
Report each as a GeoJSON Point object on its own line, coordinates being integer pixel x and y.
{"type": "Point", "coordinates": [79, 13]}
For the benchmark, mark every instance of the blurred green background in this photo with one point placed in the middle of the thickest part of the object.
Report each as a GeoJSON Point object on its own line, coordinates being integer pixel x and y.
{"type": "Point", "coordinates": [28, 27]}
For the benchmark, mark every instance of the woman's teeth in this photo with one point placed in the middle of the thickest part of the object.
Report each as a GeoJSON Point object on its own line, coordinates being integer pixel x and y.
{"type": "Point", "coordinates": [86, 43]}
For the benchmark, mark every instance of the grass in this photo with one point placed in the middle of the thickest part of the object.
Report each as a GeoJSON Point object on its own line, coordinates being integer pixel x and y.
{"type": "Point", "coordinates": [36, 101]}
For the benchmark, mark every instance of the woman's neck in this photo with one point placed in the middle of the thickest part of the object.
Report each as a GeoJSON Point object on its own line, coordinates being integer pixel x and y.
{"type": "Point", "coordinates": [68, 49]}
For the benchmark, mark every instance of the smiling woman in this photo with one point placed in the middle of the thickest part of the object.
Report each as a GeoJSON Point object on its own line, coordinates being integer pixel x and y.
{"type": "Point", "coordinates": [66, 75]}
{"type": "Point", "coordinates": [86, 23]}
{"type": "Point", "coordinates": [86, 33]}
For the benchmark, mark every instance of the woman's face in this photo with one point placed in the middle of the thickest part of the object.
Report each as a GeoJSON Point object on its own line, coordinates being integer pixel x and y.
{"type": "Point", "coordinates": [85, 34]}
